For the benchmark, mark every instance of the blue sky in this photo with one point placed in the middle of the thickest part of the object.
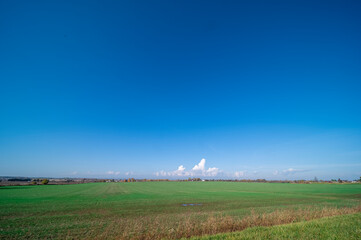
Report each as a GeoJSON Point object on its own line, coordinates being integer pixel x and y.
{"type": "Point", "coordinates": [259, 89]}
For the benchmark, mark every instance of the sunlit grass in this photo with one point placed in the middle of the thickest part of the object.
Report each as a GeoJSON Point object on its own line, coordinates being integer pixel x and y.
{"type": "Point", "coordinates": [154, 210]}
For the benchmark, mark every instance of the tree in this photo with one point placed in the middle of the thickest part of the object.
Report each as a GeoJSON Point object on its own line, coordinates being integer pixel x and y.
{"type": "Point", "coordinates": [45, 181]}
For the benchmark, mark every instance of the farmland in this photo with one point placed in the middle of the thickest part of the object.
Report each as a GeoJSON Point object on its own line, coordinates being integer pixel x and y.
{"type": "Point", "coordinates": [155, 210]}
{"type": "Point", "coordinates": [345, 227]}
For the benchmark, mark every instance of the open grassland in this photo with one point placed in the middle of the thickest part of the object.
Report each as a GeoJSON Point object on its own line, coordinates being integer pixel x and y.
{"type": "Point", "coordinates": [154, 210]}
{"type": "Point", "coordinates": [345, 227]}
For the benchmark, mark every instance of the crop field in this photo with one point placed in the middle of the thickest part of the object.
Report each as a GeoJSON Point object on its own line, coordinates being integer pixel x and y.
{"type": "Point", "coordinates": [170, 210]}
{"type": "Point", "coordinates": [345, 227]}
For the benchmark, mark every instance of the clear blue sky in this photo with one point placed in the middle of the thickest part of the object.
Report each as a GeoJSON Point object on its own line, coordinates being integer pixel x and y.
{"type": "Point", "coordinates": [260, 89]}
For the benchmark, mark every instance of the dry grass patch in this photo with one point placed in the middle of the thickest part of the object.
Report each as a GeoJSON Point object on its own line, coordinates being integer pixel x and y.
{"type": "Point", "coordinates": [188, 225]}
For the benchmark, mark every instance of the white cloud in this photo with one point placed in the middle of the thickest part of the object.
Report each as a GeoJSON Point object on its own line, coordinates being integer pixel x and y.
{"type": "Point", "coordinates": [212, 172]}
{"type": "Point", "coordinates": [129, 173]}
{"type": "Point", "coordinates": [289, 171]}
{"type": "Point", "coordinates": [197, 170]}
{"type": "Point", "coordinates": [292, 171]}
{"type": "Point", "coordinates": [239, 174]}
{"type": "Point", "coordinates": [181, 168]}
{"type": "Point", "coordinates": [161, 173]}
{"type": "Point", "coordinates": [113, 173]}
{"type": "Point", "coordinates": [200, 165]}
{"type": "Point", "coordinates": [180, 171]}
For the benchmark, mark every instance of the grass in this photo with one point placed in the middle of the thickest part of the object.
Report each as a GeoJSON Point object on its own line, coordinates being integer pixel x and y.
{"type": "Point", "coordinates": [153, 210]}
{"type": "Point", "coordinates": [345, 227]}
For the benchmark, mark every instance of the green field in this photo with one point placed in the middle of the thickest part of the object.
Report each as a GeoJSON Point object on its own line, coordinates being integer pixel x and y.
{"type": "Point", "coordinates": [346, 227]}
{"type": "Point", "coordinates": [151, 210]}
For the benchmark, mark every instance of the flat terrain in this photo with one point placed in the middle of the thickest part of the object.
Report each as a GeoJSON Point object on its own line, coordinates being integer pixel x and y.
{"type": "Point", "coordinates": [154, 210]}
{"type": "Point", "coordinates": [345, 227]}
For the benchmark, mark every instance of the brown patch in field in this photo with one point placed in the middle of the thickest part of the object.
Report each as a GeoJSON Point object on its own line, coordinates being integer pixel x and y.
{"type": "Point", "coordinates": [188, 225]}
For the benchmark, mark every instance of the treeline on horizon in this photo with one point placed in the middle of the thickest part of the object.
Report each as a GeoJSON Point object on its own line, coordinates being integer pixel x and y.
{"type": "Point", "coordinates": [232, 180]}
{"type": "Point", "coordinates": [60, 181]}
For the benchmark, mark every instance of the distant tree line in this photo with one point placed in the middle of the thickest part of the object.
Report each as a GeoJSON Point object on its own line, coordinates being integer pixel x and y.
{"type": "Point", "coordinates": [315, 180]}
{"type": "Point", "coordinates": [19, 179]}
{"type": "Point", "coordinates": [44, 181]}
